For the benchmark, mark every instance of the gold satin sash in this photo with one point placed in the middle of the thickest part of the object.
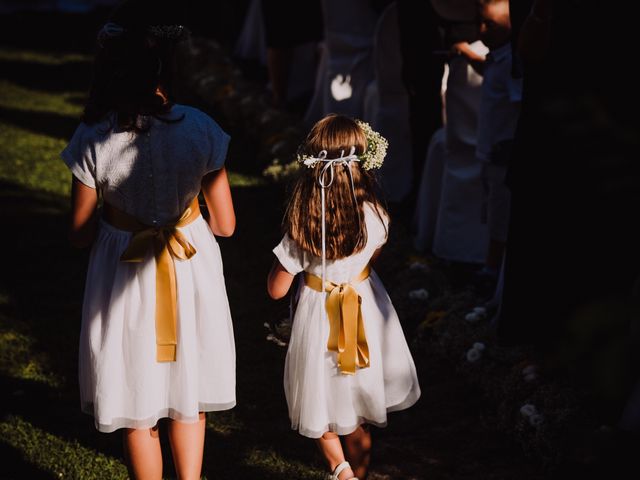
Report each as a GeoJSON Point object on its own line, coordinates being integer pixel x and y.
{"type": "Point", "coordinates": [168, 243]}
{"type": "Point", "coordinates": [346, 327]}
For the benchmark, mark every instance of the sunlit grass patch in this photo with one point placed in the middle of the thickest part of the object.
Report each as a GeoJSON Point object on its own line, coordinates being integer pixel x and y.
{"type": "Point", "coordinates": [62, 458]}
{"type": "Point", "coordinates": [26, 99]}
{"type": "Point", "coordinates": [224, 422]}
{"type": "Point", "coordinates": [33, 160]}
{"type": "Point", "coordinates": [243, 180]}
{"type": "Point", "coordinates": [19, 359]}
{"type": "Point", "coordinates": [45, 58]}
{"type": "Point", "coordinates": [272, 463]}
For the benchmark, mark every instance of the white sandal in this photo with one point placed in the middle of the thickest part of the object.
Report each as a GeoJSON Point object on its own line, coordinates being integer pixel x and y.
{"type": "Point", "coordinates": [338, 470]}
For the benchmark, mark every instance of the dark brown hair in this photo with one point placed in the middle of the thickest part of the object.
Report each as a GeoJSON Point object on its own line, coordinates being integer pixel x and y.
{"type": "Point", "coordinates": [131, 67]}
{"type": "Point", "coordinates": [346, 230]}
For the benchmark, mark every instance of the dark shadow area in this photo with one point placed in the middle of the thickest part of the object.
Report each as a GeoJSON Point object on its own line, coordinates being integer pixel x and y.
{"type": "Point", "coordinates": [76, 32]}
{"type": "Point", "coordinates": [52, 31]}
{"type": "Point", "coordinates": [45, 123]}
{"type": "Point", "coordinates": [71, 75]}
{"type": "Point", "coordinates": [221, 20]}
{"type": "Point", "coordinates": [20, 468]}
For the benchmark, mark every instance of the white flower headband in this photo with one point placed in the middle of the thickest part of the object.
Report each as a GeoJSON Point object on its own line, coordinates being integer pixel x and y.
{"type": "Point", "coordinates": [373, 157]}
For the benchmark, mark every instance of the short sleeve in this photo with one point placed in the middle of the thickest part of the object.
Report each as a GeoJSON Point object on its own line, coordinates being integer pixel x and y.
{"type": "Point", "coordinates": [218, 146]}
{"type": "Point", "coordinates": [384, 236]}
{"type": "Point", "coordinates": [377, 226]}
{"type": "Point", "coordinates": [290, 255]}
{"type": "Point", "coordinates": [79, 156]}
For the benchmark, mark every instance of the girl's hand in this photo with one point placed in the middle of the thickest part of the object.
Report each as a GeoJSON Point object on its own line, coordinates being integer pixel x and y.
{"type": "Point", "coordinates": [279, 281]}
{"type": "Point", "coordinates": [463, 48]}
{"type": "Point", "coordinates": [217, 195]}
{"type": "Point", "coordinates": [84, 220]}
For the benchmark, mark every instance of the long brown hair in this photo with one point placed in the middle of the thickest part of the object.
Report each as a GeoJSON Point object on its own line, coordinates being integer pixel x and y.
{"type": "Point", "coordinates": [346, 230]}
{"type": "Point", "coordinates": [133, 67]}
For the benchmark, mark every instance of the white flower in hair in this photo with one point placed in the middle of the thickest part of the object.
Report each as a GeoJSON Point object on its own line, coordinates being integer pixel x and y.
{"type": "Point", "coordinates": [377, 146]}
{"type": "Point", "coordinates": [307, 160]}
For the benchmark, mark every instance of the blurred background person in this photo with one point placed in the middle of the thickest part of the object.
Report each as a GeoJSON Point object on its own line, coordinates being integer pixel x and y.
{"type": "Point", "coordinates": [287, 25]}
{"type": "Point", "coordinates": [497, 120]}
{"type": "Point", "coordinates": [448, 209]}
{"type": "Point", "coordinates": [422, 46]}
{"type": "Point", "coordinates": [346, 66]}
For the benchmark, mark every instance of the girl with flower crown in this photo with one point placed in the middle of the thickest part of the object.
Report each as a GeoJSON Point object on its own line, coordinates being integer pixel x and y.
{"type": "Point", "coordinates": [348, 362]}
{"type": "Point", "coordinates": [156, 339]}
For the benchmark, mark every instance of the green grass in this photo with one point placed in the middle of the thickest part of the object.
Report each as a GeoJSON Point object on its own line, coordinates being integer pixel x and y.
{"type": "Point", "coordinates": [273, 463]}
{"type": "Point", "coordinates": [19, 358]}
{"type": "Point", "coordinates": [44, 58]}
{"type": "Point", "coordinates": [62, 458]}
{"type": "Point", "coordinates": [17, 97]}
{"type": "Point", "coordinates": [33, 160]}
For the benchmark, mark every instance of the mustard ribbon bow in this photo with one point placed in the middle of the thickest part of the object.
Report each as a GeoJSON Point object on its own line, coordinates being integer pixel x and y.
{"type": "Point", "coordinates": [168, 243]}
{"type": "Point", "coordinates": [346, 326]}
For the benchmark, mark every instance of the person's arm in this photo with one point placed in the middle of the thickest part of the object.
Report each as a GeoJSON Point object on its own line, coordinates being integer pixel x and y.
{"type": "Point", "coordinates": [84, 221]}
{"type": "Point", "coordinates": [463, 48]}
{"type": "Point", "coordinates": [279, 281]}
{"type": "Point", "coordinates": [217, 195]}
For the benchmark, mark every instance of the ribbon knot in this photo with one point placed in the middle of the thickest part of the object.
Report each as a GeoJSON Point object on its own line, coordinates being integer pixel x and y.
{"type": "Point", "coordinates": [168, 243]}
{"type": "Point", "coordinates": [346, 327]}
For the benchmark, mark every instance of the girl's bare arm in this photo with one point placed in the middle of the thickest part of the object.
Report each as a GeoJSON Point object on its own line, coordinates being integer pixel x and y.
{"type": "Point", "coordinates": [83, 227]}
{"type": "Point", "coordinates": [217, 194]}
{"type": "Point", "coordinates": [279, 281]}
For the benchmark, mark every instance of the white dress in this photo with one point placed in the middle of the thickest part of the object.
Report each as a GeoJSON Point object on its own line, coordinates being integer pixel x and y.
{"type": "Point", "coordinates": [319, 397]}
{"type": "Point", "coordinates": [152, 176]}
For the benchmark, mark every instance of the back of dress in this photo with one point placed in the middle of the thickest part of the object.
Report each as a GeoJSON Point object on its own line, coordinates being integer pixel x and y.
{"type": "Point", "coordinates": [136, 366]}
{"type": "Point", "coordinates": [323, 390]}
{"type": "Point", "coordinates": [295, 260]}
{"type": "Point", "coordinates": [152, 175]}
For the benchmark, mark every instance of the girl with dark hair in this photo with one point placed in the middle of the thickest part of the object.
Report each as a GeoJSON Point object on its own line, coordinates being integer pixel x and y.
{"type": "Point", "coordinates": [156, 338]}
{"type": "Point", "coordinates": [348, 362]}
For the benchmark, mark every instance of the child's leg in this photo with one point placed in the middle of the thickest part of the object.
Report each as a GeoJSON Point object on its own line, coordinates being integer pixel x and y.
{"type": "Point", "coordinates": [331, 449]}
{"type": "Point", "coordinates": [142, 453]}
{"type": "Point", "coordinates": [357, 447]}
{"type": "Point", "coordinates": [187, 446]}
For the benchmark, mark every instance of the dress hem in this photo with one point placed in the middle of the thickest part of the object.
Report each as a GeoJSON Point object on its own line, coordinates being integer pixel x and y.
{"type": "Point", "coordinates": [118, 423]}
{"type": "Point", "coordinates": [410, 400]}
{"type": "Point", "coordinates": [338, 429]}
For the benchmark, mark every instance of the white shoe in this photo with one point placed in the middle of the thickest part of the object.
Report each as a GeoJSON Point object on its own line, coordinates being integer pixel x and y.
{"type": "Point", "coordinates": [338, 470]}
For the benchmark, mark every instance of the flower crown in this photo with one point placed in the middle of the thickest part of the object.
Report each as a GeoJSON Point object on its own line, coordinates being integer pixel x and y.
{"type": "Point", "coordinates": [373, 157]}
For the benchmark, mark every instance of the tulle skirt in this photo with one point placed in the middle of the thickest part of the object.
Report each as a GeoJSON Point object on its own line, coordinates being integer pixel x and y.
{"type": "Point", "coordinates": [322, 399]}
{"type": "Point", "coordinates": [121, 383]}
